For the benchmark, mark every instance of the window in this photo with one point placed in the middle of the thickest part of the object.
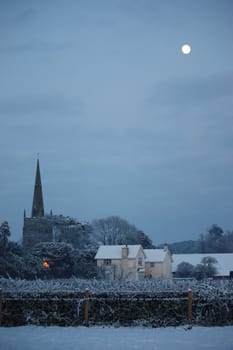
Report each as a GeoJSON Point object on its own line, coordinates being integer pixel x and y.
{"type": "Point", "coordinates": [152, 264]}
{"type": "Point", "coordinates": [107, 262]}
{"type": "Point", "coordinates": [140, 261]}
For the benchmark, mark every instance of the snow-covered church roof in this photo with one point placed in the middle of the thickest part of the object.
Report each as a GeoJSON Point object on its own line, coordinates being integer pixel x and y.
{"type": "Point", "coordinates": [115, 251]}
{"type": "Point", "coordinates": [224, 261]}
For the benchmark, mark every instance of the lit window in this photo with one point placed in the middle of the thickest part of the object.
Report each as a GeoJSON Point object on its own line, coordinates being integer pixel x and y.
{"type": "Point", "coordinates": [107, 262]}
{"type": "Point", "coordinates": [45, 265]}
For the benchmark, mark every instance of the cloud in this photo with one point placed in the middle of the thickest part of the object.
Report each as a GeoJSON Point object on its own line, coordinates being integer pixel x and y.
{"type": "Point", "coordinates": [25, 15]}
{"type": "Point", "coordinates": [148, 9]}
{"type": "Point", "coordinates": [29, 110]}
{"type": "Point", "coordinates": [34, 46]}
{"type": "Point", "coordinates": [38, 103]}
{"type": "Point", "coordinates": [193, 90]}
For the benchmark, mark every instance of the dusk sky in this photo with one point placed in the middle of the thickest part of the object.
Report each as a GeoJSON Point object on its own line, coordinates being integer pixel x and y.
{"type": "Point", "coordinates": [124, 123]}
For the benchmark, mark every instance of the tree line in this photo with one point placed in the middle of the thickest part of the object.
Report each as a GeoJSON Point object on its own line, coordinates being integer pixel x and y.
{"type": "Point", "coordinates": [214, 240]}
{"type": "Point", "coordinates": [73, 256]}
{"type": "Point", "coordinates": [66, 258]}
{"type": "Point", "coordinates": [205, 269]}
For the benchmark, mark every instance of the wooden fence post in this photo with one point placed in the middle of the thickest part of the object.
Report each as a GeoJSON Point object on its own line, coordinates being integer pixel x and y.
{"type": "Point", "coordinates": [0, 307]}
{"type": "Point", "coordinates": [190, 306]}
{"type": "Point", "coordinates": [86, 305]}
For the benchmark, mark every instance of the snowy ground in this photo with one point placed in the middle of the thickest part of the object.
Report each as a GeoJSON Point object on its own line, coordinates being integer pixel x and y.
{"type": "Point", "coordinates": [93, 338]}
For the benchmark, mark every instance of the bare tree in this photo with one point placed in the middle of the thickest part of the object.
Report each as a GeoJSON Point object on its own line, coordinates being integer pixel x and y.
{"type": "Point", "coordinates": [185, 269]}
{"type": "Point", "coordinates": [4, 236]}
{"type": "Point", "coordinates": [114, 230]}
{"type": "Point", "coordinates": [207, 268]}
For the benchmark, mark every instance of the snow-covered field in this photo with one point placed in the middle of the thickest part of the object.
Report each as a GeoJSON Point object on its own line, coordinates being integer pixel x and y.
{"type": "Point", "coordinates": [93, 338]}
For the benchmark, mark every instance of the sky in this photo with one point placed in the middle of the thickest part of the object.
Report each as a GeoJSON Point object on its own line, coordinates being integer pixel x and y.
{"type": "Point", "coordinates": [123, 122]}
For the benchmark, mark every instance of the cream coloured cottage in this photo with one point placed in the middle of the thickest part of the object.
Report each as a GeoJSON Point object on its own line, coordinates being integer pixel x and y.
{"type": "Point", "coordinates": [158, 263]}
{"type": "Point", "coordinates": [133, 263]}
{"type": "Point", "coordinates": [121, 262]}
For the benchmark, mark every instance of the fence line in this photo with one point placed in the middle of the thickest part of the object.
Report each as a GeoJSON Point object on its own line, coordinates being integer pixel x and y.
{"type": "Point", "coordinates": [104, 308]}
{"type": "Point", "coordinates": [86, 306]}
{"type": "Point", "coordinates": [0, 307]}
{"type": "Point", "coordinates": [190, 306]}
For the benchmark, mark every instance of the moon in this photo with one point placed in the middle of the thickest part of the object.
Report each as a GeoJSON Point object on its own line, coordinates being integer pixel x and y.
{"type": "Point", "coordinates": [186, 49]}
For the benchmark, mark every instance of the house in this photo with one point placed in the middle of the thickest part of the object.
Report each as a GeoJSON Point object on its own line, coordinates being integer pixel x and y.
{"type": "Point", "coordinates": [158, 263]}
{"type": "Point", "coordinates": [133, 263]}
{"type": "Point", "coordinates": [224, 263]}
{"type": "Point", "coordinates": [121, 262]}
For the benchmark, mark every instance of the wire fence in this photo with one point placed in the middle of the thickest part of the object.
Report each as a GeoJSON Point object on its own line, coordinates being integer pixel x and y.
{"type": "Point", "coordinates": [147, 309]}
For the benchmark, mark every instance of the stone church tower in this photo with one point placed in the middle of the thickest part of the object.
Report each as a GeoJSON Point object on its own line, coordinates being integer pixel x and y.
{"type": "Point", "coordinates": [41, 227]}
{"type": "Point", "coordinates": [35, 228]}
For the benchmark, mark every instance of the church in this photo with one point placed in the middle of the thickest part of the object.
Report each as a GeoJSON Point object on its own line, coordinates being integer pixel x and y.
{"type": "Point", "coordinates": [41, 227]}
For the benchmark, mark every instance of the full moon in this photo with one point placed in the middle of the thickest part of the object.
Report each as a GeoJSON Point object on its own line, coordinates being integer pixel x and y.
{"type": "Point", "coordinates": [186, 49]}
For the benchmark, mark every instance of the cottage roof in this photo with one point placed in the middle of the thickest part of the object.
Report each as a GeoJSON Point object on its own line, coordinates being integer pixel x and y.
{"type": "Point", "coordinates": [154, 255]}
{"type": "Point", "coordinates": [224, 265]}
{"type": "Point", "coordinates": [115, 251]}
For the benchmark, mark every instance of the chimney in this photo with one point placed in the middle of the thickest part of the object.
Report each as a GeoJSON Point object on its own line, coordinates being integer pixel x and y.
{"type": "Point", "coordinates": [125, 252]}
{"type": "Point", "coordinates": [165, 247]}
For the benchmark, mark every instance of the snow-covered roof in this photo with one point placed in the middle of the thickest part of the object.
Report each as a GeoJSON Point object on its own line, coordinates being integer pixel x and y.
{"type": "Point", "coordinates": [115, 251]}
{"type": "Point", "coordinates": [153, 255]}
{"type": "Point", "coordinates": [224, 265]}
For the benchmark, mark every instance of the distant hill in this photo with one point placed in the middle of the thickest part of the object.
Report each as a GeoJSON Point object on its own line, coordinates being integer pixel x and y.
{"type": "Point", "coordinates": [214, 240]}
{"type": "Point", "coordinates": [184, 247]}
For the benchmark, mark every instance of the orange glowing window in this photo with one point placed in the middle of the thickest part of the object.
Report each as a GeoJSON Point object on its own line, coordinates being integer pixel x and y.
{"type": "Point", "coordinates": [45, 265]}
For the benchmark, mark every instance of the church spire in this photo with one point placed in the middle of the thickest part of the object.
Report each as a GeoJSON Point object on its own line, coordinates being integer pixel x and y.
{"type": "Point", "coordinates": [38, 205]}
